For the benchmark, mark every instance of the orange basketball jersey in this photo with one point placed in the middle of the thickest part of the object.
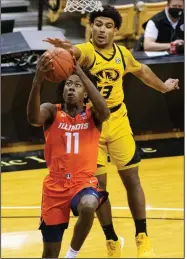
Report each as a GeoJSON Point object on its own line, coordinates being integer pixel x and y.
{"type": "Point", "coordinates": [72, 144]}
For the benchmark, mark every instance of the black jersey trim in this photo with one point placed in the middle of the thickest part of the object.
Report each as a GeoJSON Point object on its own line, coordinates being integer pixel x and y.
{"type": "Point", "coordinates": [122, 57]}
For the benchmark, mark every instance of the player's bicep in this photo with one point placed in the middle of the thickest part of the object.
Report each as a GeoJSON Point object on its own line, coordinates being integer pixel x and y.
{"type": "Point", "coordinates": [132, 65]}
{"type": "Point", "coordinates": [47, 113]}
{"type": "Point", "coordinates": [87, 54]}
{"type": "Point", "coordinates": [96, 119]}
{"type": "Point", "coordinates": [143, 73]}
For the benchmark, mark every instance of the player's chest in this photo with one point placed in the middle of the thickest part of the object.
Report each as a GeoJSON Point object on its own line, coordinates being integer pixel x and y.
{"type": "Point", "coordinates": [108, 71]}
{"type": "Point", "coordinates": [65, 122]}
{"type": "Point", "coordinates": [67, 128]}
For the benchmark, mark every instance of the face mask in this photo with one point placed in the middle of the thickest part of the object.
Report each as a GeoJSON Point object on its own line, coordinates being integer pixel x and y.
{"type": "Point", "coordinates": [175, 12]}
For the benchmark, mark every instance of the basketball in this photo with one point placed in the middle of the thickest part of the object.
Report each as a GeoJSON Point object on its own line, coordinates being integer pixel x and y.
{"type": "Point", "coordinates": [62, 61]}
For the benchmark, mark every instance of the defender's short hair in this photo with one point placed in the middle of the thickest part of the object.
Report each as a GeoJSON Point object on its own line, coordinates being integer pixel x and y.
{"type": "Point", "coordinates": [109, 12]}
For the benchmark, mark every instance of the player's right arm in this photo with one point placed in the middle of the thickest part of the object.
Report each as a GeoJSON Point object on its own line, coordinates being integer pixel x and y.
{"type": "Point", "coordinates": [65, 44]}
{"type": "Point", "coordinates": [80, 51]}
{"type": "Point", "coordinates": [100, 110]}
{"type": "Point", "coordinates": [37, 114]}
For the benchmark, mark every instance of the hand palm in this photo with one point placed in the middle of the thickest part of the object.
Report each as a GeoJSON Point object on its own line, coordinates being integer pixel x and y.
{"type": "Point", "coordinates": [58, 43]}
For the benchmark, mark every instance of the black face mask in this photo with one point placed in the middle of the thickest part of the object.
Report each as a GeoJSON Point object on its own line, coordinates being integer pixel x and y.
{"type": "Point", "coordinates": [175, 12]}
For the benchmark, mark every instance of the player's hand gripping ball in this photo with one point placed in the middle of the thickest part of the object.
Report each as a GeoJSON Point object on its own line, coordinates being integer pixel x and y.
{"type": "Point", "coordinates": [62, 63]}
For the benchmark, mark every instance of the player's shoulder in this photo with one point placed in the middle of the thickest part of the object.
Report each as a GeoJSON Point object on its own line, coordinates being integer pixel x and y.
{"type": "Point", "coordinates": [123, 49]}
{"type": "Point", "coordinates": [127, 55]}
{"type": "Point", "coordinates": [87, 50]}
{"type": "Point", "coordinates": [48, 106]}
{"type": "Point", "coordinates": [52, 108]}
{"type": "Point", "coordinates": [85, 45]}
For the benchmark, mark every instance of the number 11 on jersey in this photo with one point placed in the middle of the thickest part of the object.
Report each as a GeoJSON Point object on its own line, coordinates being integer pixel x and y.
{"type": "Point", "coordinates": [69, 136]}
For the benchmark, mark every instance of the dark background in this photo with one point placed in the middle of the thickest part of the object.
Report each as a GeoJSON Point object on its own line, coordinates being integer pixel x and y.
{"type": "Point", "coordinates": [148, 110]}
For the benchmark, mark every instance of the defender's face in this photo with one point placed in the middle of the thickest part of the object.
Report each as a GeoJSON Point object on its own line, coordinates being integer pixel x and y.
{"type": "Point", "coordinates": [103, 30]}
{"type": "Point", "coordinates": [74, 91]}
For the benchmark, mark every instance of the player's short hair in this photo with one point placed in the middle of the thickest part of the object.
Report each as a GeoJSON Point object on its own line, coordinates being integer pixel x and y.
{"type": "Point", "coordinates": [109, 12]}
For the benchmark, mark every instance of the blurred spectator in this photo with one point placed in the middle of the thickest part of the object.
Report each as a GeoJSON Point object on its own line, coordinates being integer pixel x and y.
{"type": "Point", "coordinates": [166, 29]}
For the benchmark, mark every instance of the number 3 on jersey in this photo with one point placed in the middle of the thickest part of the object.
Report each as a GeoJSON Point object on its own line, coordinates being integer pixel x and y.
{"type": "Point", "coordinates": [105, 91]}
{"type": "Point", "coordinates": [69, 136]}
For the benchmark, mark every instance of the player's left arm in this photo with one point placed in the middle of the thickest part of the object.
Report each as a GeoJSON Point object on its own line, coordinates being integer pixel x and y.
{"type": "Point", "coordinates": [96, 118]}
{"type": "Point", "coordinates": [37, 114]}
{"type": "Point", "coordinates": [65, 44]}
{"type": "Point", "coordinates": [146, 75]}
{"type": "Point", "coordinates": [102, 112]}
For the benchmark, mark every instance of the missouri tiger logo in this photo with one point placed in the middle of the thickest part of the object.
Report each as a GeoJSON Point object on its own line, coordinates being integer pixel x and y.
{"type": "Point", "coordinates": [107, 76]}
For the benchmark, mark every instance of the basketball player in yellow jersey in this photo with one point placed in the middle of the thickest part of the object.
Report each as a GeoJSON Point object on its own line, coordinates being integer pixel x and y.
{"type": "Point", "coordinates": [109, 63]}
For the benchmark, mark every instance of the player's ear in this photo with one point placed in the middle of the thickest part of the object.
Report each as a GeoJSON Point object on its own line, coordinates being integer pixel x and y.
{"type": "Point", "coordinates": [91, 29]}
{"type": "Point", "coordinates": [85, 95]}
{"type": "Point", "coordinates": [115, 30]}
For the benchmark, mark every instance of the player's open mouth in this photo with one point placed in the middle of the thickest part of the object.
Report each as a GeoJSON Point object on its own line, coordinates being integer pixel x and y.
{"type": "Point", "coordinates": [101, 37]}
{"type": "Point", "coordinates": [71, 95]}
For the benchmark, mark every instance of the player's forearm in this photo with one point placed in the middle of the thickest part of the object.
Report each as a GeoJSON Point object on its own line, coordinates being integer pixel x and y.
{"type": "Point", "coordinates": [97, 100]}
{"type": "Point", "coordinates": [155, 46]}
{"type": "Point", "coordinates": [33, 106]}
{"type": "Point", "coordinates": [147, 76]}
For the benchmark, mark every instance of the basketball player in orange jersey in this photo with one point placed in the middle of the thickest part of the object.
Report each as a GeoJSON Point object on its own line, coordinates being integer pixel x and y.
{"type": "Point", "coordinates": [72, 136]}
{"type": "Point", "coordinates": [109, 62]}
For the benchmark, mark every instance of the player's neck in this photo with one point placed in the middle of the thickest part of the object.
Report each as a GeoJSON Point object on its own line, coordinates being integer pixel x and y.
{"type": "Point", "coordinates": [73, 109]}
{"type": "Point", "coordinates": [108, 46]}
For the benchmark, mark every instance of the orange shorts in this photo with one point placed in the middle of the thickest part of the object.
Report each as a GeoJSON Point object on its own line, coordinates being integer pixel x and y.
{"type": "Point", "coordinates": [58, 194]}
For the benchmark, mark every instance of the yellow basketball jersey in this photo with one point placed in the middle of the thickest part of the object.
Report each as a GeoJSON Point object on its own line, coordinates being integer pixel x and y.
{"type": "Point", "coordinates": [109, 66]}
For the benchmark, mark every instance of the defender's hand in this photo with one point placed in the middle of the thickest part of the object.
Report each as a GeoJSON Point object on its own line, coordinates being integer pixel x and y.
{"type": "Point", "coordinates": [171, 84]}
{"type": "Point", "coordinates": [59, 43]}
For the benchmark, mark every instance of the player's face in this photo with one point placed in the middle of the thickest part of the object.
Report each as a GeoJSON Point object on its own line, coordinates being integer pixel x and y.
{"type": "Point", "coordinates": [74, 91]}
{"type": "Point", "coordinates": [103, 30]}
